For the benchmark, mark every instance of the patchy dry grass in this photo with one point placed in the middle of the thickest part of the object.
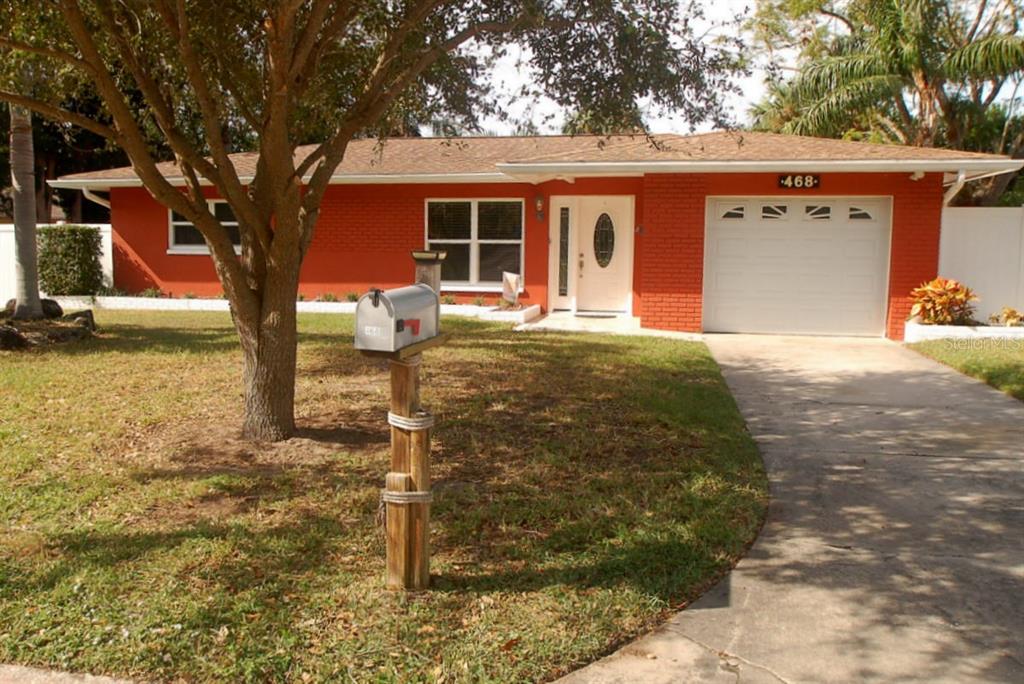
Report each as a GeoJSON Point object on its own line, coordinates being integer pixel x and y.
{"type": "Point", "coordinates": [999, 363]}
{"type": "Point", "coordinates": [585, 486]}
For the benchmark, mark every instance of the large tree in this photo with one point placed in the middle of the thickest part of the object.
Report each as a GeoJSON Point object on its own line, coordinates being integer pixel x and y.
{"type": "Point", "coordinates": [920, 72]}
{"type": "Point", "coordinates": [333, 69]}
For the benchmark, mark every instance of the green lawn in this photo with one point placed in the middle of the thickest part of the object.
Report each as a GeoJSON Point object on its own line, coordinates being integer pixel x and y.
{"type": "Point", "coordinates": [585, 486]}
{"type": "Point", "coordinates": [1000, 363]}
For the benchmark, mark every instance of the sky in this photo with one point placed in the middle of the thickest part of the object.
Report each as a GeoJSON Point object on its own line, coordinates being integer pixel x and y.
{"type": "Point", "coordinates": [547, 116]}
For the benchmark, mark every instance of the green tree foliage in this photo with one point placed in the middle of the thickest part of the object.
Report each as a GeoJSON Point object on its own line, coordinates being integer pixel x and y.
{"type": "Point", "coordinates": [920, 72]}
{"type": "Point", "coordinates": [284, 72]}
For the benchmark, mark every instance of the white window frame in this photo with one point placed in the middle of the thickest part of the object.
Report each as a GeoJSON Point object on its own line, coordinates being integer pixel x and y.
{"type": "Point", "coordinates": [173, 248]}
{"type": "Point", "coordinates": [474, 242]}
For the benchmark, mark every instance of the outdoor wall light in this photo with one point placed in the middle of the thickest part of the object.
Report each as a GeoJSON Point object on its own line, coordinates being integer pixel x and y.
{"type": "Point", "coordinates": [538, 204]}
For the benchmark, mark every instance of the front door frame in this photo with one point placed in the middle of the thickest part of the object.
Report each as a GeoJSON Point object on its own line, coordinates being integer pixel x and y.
{"type": "Point", "coordinates": [570, 301]}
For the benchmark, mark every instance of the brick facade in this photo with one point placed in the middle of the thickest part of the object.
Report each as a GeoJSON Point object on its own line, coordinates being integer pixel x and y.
{"type": "Point", "coordinates": [365, 234]}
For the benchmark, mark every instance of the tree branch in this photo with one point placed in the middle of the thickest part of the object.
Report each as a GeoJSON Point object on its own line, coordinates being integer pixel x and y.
{"type": "Point", "coordinates": [58, 55]}
{"type": "Point", "coordinates": [131, 139]}
{"type": "Point", "coordinates": [211, 112]}
{"type": "Point", "coordinates": [162, 110]}
{"type": "Point", "coordinates": [838, 17]}
{"type": "Point", "coordinates": [372, 104]}
{"type": "Point", "coordinates": [60, 114]}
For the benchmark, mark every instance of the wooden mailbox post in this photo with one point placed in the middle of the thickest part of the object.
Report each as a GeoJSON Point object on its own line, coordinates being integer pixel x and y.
{"type": "Point", "coordinates": [407, 494]}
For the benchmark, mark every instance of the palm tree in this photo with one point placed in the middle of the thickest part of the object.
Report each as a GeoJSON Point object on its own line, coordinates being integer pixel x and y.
{"type": "Point", "coordinates": [23, 175]}
{"type": "Point", "coordinates": [917, 72]}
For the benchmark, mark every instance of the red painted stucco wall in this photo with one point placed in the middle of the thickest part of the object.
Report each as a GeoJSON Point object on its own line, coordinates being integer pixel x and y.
{"type": "Point", "coordinates": [366, 232]}
{"type": "Point", "coordinates": [672, 249]}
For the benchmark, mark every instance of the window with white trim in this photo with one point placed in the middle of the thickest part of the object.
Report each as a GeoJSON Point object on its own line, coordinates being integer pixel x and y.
{"type": "Point", "coordinates": [483, 238]}
{"type": "Point", "coordinates": [185, 238]}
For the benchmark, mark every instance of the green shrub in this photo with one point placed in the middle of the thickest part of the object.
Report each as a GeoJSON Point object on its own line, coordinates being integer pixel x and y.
{"type": "Point", "coordinates": [189, 295]}
{"type": "Point", "coordinates": [944, 301]}
{"type": "Point", "coordinates": [69, 260]}
{"type": "Point", "coordinates": [328, 297]}
{"type": "Point", "coordinates": [352, 297]}
{"type": "Point", "coordinates": [448, 299]}
{"type": "Point", "coordinates": [479, 301]}
{"type": "Point", "coordinates": [153, 292]}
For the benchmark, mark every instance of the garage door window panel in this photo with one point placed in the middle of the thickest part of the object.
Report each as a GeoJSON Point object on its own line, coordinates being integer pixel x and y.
{"type": "Point", "coordinates": [774, 211]}
{"type": "Point", "coordinates": [818, 212]}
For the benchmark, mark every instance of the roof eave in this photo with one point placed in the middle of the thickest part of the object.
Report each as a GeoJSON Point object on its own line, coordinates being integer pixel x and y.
{"type": "Point", "coordinates": [351, 179]}
{"type": "Point", "coordinates": [518, 172]}
{"type": "Point", "coordinates": [974, 167]}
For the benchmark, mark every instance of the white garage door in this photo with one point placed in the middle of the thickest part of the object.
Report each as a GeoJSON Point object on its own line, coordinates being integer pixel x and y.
{"type": "Point", "coordinates": [809, 266]}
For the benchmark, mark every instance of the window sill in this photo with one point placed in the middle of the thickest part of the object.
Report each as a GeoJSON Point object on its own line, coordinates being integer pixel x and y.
{"type": "Point", "coordinates": [456, 287]}
{"type": "Point", "coordinates": [202, 251]}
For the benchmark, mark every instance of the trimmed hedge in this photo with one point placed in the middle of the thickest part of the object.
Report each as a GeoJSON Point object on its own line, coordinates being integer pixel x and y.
{"type": "Point", "coordinates": [69, 260]}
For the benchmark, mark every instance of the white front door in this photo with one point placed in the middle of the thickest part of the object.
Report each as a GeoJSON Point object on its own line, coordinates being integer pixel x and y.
{"type": "Point", "coordinates": [796, 265]}
{"type": "Point", "coordinates": [604, 253]}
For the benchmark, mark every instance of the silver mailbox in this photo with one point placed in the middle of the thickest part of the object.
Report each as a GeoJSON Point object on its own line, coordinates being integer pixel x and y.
{"type": "Point", "coordinates": [388, 320]}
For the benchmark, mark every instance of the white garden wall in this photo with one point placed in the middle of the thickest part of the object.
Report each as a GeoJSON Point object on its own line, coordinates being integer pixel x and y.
{"type": "Point", "coordinates": [983, 248]}
{"type": "Point", "coordinates": [7, 258]}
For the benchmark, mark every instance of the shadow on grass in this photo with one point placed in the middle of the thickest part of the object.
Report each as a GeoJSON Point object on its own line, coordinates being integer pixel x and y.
{"type": "Point", "coordinates": [575, 461]}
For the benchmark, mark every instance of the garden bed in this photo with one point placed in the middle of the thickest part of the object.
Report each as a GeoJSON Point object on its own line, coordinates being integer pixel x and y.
{"type": "Point", "coordinates": [488, 313]}
{"type": "Point", "coordinates": [584, 487]}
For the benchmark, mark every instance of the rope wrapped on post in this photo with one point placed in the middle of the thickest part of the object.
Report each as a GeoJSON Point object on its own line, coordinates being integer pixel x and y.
{"type": "Point", "coordinates": [405, 498]}
{"type": "Point", "coordinates": [421, 421]}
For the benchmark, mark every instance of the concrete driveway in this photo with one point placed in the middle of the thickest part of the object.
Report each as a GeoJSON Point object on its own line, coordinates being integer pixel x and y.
{"type": "Point", "coordinates": [894, 545]}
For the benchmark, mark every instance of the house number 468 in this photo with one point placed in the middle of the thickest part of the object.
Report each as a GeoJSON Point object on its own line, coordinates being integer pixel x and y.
{"type": "Point", "coordinates": [791, 181]}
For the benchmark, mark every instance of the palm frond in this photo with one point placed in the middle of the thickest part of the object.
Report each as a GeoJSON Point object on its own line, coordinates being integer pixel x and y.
{"type": "Point", "coordinates": [818, 79]}
{"type": "Point", "coordinates": [829, 113]}
{"type": "Point", "coordinates": [992, 57]}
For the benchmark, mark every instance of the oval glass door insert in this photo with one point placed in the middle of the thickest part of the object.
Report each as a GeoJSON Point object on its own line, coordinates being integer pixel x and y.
{"type": "Point", "coordinates": [604, 240]}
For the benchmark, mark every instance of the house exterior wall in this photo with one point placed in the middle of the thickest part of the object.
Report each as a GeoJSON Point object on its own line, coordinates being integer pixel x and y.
{"type": "Point", "coordinates": [362, 240]}
{"type": "Point", "coordinates": [366, 232]}
{"type": "Point", "coordinates": [672, 249]}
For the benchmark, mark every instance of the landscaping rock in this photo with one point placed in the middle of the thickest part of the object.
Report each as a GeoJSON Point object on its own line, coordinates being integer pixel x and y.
{"type": "Point", "coordinates": [51, 309]}
{"type": "Point", "coordinates": [83, 318]}
{"type": "Point", "coordinates": [10, 338]}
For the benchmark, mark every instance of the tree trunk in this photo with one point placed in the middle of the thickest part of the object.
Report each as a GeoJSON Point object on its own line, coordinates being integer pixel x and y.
{"type": "Point", "coordinates": [26, 275]}
{"type": "Point", "coordinates": [268, 375]}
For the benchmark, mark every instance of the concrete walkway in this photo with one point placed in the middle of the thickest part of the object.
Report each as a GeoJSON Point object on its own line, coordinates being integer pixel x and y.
{"type": "Point", "coordinates": [611, 324]}
{"type": "Point", "coordinates": [894, 544]}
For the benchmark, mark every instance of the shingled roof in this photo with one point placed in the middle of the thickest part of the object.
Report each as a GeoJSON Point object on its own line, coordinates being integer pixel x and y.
{"type": "Point", "coordinates": [496, 159]}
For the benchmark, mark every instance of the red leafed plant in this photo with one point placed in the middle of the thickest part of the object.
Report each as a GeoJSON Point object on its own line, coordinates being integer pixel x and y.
{"type": "Point", "coordinates": [944, 301]}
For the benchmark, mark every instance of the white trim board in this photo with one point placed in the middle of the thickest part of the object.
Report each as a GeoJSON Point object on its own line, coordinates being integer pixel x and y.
{"type": "Point", "coordinates": [537, 172]}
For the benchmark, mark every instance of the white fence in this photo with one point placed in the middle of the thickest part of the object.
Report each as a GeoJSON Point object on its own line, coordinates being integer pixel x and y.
{"type": "Point", "coordinates": [984, 249]}
{"type": "Point", "coordinates": [7, 258]}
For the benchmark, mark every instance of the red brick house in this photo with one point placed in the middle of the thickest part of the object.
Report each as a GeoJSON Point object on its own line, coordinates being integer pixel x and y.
{"type": "Point", "coordinates": [728, 231]}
